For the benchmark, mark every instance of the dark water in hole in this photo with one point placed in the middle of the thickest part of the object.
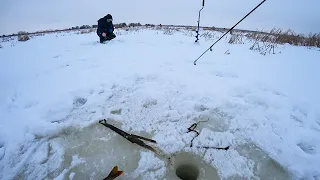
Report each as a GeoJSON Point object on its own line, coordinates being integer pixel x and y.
{"type": "Point", "coordinates": [187, 172]}
{"type": "Point", "coordinates": [203, 170]}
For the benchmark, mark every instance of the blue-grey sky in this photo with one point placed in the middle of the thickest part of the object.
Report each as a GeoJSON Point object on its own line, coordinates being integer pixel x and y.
{"type": "Point", "coordinates": [32, 15]}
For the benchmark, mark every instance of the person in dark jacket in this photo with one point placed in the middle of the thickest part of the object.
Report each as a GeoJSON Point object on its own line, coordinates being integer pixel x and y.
{"type": "Point", "coordinates": [105, 28]}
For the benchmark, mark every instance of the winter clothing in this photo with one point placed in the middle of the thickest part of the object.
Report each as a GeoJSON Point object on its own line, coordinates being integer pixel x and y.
{"type": "Point", "coordinates": [105, 26]}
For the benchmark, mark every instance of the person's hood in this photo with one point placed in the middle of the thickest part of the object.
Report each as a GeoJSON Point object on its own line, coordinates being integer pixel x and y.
{"type": "Point", "coordinates": [108, 16]}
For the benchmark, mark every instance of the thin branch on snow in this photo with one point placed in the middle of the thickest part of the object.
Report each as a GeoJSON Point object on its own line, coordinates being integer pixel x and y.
{"type": "Point", "coordinates": [130, 137]}
{"type": "Point", "coordinates": [194, 125]}
{"type": "Point", "coordinates": [192, 128]}
{"type": "Point", "coordinates": [209, 147]}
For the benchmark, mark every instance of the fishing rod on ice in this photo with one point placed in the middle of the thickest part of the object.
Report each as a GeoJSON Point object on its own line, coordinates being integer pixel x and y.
{"type": "Point", "coordinates": [197, 31]}
{"type": "Point", "coordinates": [210, 48]}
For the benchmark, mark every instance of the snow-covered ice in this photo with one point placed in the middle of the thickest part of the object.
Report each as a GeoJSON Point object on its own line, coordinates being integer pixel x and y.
{"type": "Point", "coordinates": [55, 88]}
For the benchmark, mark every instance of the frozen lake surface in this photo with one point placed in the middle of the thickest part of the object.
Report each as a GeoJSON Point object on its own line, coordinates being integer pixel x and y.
{"type": "Point", "coordinates": [55, 88]}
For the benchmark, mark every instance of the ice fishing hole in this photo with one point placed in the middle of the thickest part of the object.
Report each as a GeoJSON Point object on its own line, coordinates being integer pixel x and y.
{"type": "Point", "coordinates": [188, 165]}
{"type": "Point", "coordinates": [187, 172]}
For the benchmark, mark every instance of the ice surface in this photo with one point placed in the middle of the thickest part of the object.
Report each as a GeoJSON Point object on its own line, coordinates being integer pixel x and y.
{"type": "Point", "coordinates": [55, 88]}
{"type": "Point", "coordinates": [263, 165]}
{"type": "Point", "coordinates": [101, 149]}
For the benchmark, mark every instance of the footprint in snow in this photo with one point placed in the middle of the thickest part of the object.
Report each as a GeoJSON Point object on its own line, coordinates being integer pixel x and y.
{"type": "Point", "coordinates": [308, 148]}
{"type": "Point", "coordinates": [116, 111]}
{"type": "Point", "coordinates": [79, 101]}
{"type": "Point", "coordinates": [273, 91]}
{"type": "Point", "coordinates": [149, 103]}
{"type": "Point", "coordinates": [298, 115]}
{"type": "Point", "coordinates": [139, 80]}
{"type": "Point", "coordinates": [56, 56]}
{"type": "Point", "coordinates": [2, 151]}
{"type": "Point", "coordinates": [201, 108]}
{"type": "Point", "coordinates": [318, 120]}
{"type": "Point", "coordinates": [114, 86]}
{"type": "Point", "coordinates": [226, 75]}
{"type": "Point", "coordinates": [278, 93]}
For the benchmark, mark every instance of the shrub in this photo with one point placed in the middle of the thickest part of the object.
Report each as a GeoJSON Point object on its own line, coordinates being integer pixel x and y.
{"type": "Point", "coordinates": [312, 40]}
{"type": "Point", "coordinates": [168, 31]}
{"type": "Point", "coordinates": [288, 36]}
{"type": "Point", "coordinates": [208, 35]}
{"type": "Point", "coordinates": [22, 33]}
{"type": "Point", "coordinates": [236, 38]}
{"type": "Point", "coordinates": [150, 25]}
{"type": "Point", "coordinates": [85, 27]}
{"type": "Point", "coordinates": [134, 24]}
{"type": "Point", "coordinates": [278, 36]}
{"type": "Point", "coordinates": [23, 38]}
{"type": "Point", "coordinates": [121, 25]}
{"type": "Point", "coordinates": [76, 27]}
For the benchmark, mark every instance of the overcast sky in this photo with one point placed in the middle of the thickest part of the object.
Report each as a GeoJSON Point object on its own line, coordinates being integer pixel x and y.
{"type": "Point", "coordinates": [303, 16]}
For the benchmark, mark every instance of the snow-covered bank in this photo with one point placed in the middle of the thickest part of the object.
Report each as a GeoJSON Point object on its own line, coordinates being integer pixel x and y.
{"type": "Point", "coordinates": [145, 80]}
{"type": "Point", "coordinates": [34, 15]}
